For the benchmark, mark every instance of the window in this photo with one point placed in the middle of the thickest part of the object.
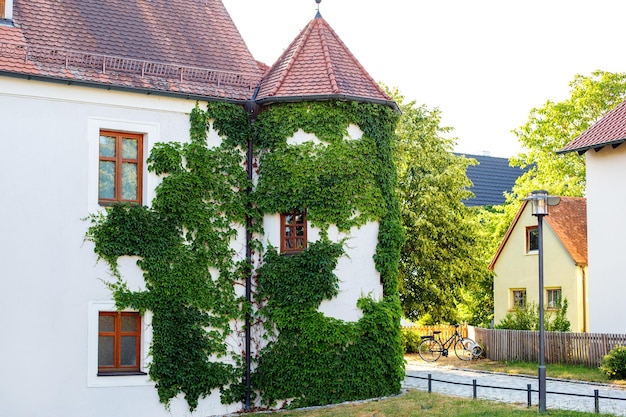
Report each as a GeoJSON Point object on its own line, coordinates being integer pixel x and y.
{"type": "Point", "coordinates": [120, 167]}
{"type": "Point", "coordinates": [119, 342]}
{"type": "Point", "coordinates": [1, 9]}
{"type": "Point", "coordinates": [553, 296]}
{"type": "Point", "coordinates": [519, 298]}
{"type": "Point", "coordinates": [532, 239]}
{"type": "Point", "coordinates": [293, 231]}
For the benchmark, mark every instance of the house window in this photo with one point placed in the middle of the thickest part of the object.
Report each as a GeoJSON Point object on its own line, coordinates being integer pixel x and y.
{"type": "Point", "coordinates": [293, 232]}
{"type": "Point", "coordinates": [2, 9]}
{"type": "Point", "coordinates": [518, 298]}
{"type": "Point", "coordinates": [553, 298]}
{"type": "Point", "coordinates": [532, 239]}
{"type": "Point", "coordinates": [119, 342]}
{"type": "Point", "coordinates": [120, 167]}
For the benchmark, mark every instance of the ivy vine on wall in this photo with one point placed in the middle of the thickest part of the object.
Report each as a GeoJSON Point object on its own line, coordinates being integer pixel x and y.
{"type": "Point", "coordinates": [190, 269]}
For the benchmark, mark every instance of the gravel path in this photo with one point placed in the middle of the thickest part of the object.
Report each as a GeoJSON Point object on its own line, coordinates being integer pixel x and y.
{"type": "Point", "coordinates": [417, 377]}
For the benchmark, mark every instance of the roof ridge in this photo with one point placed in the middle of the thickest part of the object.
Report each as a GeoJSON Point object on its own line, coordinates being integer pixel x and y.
{"type": "Point", "coordinates": [355, 60]}
{"type": "Point", "coordinates": [298, 43]}
{"type": "Point", "coordinates": [327, 57]}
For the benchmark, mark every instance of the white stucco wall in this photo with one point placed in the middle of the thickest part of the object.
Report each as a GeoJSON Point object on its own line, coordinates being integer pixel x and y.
{"type": "Point", "coordinates": [516, 269]}
{"type": "Point", "coordinates": [606, 231]}
{"type": "Point", "coordinates": [52, 284]}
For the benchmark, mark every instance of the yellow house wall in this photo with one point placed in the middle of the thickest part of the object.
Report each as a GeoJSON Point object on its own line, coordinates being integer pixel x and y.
{"type": "Point", "coordinates": [516, 269]}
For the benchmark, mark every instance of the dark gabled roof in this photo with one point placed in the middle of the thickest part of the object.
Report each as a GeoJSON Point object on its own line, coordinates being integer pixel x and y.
{"type": "Point", "coordinates": [568, 220]}
{"type": "Point", "coordinates": [491, 178]}
{"type": "Point", "coordinates": [609, 130]}
{"type": "Point", "coordinates": [177, 46]}
{"type": "Point", "coordinates": [318, 65]}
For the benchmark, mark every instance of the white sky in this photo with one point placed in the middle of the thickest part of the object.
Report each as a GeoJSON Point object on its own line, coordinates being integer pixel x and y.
{"type": "Point", "coordinates": [485, 63]}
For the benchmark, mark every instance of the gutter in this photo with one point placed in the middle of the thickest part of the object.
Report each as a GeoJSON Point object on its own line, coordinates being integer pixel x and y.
{"type": "Point", "coordinates": [328, 97]}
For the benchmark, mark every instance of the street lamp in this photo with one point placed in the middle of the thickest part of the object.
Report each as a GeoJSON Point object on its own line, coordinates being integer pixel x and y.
{"type": "Point", "coordinates": [540, 201]}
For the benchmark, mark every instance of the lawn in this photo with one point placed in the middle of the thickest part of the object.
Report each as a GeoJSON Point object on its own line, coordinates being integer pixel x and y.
{"type": "Point", "coordinates": [420, 404]}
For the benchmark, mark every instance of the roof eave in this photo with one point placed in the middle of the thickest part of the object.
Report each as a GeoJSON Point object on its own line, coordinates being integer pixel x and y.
{"type": "Point", "coordinates": [104, 86]}
{"type": "Point", "coordinates": [328, 97]}
{"type": "Point", "coordinates": [596, 147]}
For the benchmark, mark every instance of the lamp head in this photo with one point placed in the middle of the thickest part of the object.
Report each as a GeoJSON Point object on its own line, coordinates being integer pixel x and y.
{"type": "Point", "coordinates": [540, 201]}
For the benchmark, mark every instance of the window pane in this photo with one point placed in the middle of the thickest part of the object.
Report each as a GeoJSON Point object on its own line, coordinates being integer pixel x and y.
{"type": "Point", "coordinates": [129, 148]}
{"type": "Point", "coordinates": [299, 218]}
{"type": "Point", "coordinates": [106, 187]}
{"type": "Point", "coordinates": [533, 239]}
{"type": "Point", "coordinates": [105, 350]}
{"type": "Point", "coordinates": [106, 323]}
{"type": "Point", "coordinates": [299, 230]}
{"type": "Point", "coordinates": [300, 243]}
{"type": "Point", "coordinates": [128, 351]}
{"type": "Point", "coordinates": [129, 181]}
{"type": "Point", "coordinates": [289, 244]}
{"type": "Point", "coordinates": [288, 231]}
{"type": "Point", "coordinates": [289, 219]}
{"type": "Point", "coordinates": [129, 323]}
{"type": "Point", "coordinates": [107, 146]}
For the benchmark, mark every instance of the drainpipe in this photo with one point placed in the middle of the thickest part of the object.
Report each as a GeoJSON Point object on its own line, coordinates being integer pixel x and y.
{"type": "Point", "coordinates": [253, 109]}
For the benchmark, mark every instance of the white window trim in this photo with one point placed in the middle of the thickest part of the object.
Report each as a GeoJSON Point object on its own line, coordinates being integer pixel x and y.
{"type": "Point", "coordinates": [93, 380]}
{"type": "Point", "coordinates": [150, 132]}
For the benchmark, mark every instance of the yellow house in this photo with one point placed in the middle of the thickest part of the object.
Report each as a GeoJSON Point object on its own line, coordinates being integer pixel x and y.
{"type": "Point", "coordinates": [516, 264]}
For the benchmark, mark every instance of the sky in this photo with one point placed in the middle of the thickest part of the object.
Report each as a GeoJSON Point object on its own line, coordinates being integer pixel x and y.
{"type": "Point", "coordinates": [485, 64]}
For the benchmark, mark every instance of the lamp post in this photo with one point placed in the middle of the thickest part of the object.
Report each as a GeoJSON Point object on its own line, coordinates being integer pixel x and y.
{"type": "Point", "coordinates": [540, 201]}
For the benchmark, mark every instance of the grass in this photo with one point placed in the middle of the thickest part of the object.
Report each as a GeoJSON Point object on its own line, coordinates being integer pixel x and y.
{"type": "Point", "coordinates": [420, 404]}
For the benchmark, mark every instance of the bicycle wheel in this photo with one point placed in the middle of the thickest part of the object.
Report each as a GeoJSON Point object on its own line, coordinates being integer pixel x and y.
{"type": "Point", "coordinates": [464, 349]}
{"type": "Point", "coordinates": [429, 350]}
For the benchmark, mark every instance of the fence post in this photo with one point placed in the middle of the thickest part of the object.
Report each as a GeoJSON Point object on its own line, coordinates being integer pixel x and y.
{"type": "Point", "coordinates": [474, 388]}
{"type": "Point", "coordinates": [430, 383]}
{"type": "Point", "coordinates": [596, 399]}
{"type": "Point", "coordinates": [530, 394]}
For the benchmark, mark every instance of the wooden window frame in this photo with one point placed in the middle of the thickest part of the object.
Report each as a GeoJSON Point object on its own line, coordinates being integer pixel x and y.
{"type": "Point", "coordinates": [119, 160]}
{"type": "Point", "coordinates": [285, 238]}
{"type": "Point", "coordinates": [529, 231]}
{"type": "Point", "coordinates": [560, 297]}
{"type": "Point", "coordinates": [525, 299]}
{"type": "Point", "coordinates": [117, 333]}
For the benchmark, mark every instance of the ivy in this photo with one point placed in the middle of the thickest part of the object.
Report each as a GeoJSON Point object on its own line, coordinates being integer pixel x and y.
{"type": "Point", "coordinates": [316, 359]}
{"type": "Point", "coordinates": [190, 270]}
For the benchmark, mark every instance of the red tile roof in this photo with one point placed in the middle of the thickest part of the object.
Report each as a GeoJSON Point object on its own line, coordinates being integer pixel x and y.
{"type": "Point", "coordinates": [184, 47]}
{"type": "Point", "coordinates": [188, 47]}
{"type": "Point", "coordinates": [568, 220]}
{"type": "Point", "coordinates": [609, 130]}
{"type": "Point", "coordinates": [318, 65]}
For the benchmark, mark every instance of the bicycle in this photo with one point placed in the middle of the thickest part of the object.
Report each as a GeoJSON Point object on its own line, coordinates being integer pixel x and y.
{"type": "Point", "coordinates": [431, 348]}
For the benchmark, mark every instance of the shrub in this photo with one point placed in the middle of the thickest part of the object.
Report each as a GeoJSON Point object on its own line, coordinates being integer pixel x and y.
{"type": "Point", "coordinates": [410, 340]}
{"type": "Point", "coordinates": [614, 363]}
{"type": "Point", "coordinates": [527, 318]}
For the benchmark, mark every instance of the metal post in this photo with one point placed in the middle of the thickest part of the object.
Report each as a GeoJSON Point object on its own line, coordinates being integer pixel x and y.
{"type": "Point", "coordinates": [474, 393]}
{"type": "Point", "coordinates": [596, 398]}
{"type": "Point", "coordinates": [430, 383]}
{"type": "Point", "coordinates": [542, 366]}
{"type": "Point", "coordinates": [529, 390]}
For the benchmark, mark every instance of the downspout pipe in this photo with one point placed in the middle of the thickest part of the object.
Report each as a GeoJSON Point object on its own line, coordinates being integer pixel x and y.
{"type": "Point", "coordinates": [253, 109]}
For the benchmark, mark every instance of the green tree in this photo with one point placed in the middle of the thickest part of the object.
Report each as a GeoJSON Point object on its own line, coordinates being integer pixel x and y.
{"type": "Point", "coordinates": [443, 268]}
{"type": "Point", "coordinates": [554, 125]}
{"type": "Point", "coordinates": [548, 129]}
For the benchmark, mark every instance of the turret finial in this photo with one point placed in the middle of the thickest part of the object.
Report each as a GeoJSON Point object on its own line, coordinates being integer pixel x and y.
{"type": "Point", "coordinates": [318, 15]}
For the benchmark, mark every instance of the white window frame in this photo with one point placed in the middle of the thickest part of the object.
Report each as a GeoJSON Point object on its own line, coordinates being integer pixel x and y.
{"type": "Point", "coordinates": [93, 380]}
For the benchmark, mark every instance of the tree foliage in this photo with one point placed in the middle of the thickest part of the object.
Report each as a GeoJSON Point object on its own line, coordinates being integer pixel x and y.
{"type": "Point", "coordinates": [554, 125]}
{"type": "Point", "coordinates": [443, 269]}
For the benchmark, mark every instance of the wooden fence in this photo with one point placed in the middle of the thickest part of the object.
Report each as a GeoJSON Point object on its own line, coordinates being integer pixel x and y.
{"type": "Point", "coordinates": [560, 347]}
{"type": "Point", "coordinates": [446, 330]}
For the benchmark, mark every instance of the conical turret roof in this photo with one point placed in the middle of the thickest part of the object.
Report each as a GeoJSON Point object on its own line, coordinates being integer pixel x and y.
{"type": "Point", "coordinates": [318, 66]}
